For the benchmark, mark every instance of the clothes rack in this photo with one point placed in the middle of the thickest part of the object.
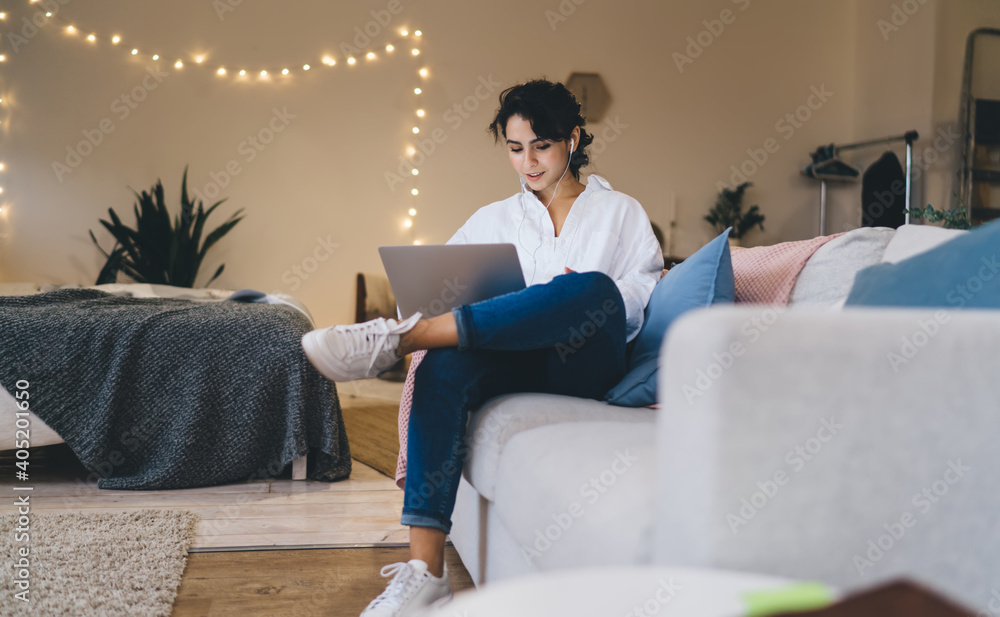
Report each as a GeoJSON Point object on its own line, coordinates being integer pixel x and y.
{"type": "Point", "coordinates": [828, 152]}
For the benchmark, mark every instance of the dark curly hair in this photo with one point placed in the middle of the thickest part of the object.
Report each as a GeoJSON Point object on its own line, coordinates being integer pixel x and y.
{"type": "Point", "coordinates": [552, 111]}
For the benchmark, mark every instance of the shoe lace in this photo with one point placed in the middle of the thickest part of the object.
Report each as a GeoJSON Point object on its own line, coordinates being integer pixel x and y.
{"type": "Point", "coordinates": [368, 337]}
{"type": "Point", "coordinates": [404, 584]}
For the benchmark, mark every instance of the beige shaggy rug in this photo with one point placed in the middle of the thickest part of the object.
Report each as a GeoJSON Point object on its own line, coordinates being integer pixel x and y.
{"type": "Point", "coordinates": [103, 564]}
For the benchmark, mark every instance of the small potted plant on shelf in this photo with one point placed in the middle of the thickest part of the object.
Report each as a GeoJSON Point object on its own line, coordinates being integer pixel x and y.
{"type": "Point", "coordinates": [728, 212]}
{"type": "Point", "coordinates": [157, 251]}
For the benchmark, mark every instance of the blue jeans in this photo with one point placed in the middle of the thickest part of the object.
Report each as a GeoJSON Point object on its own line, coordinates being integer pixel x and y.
{"type": "Point", "coordinates": [563, 337]}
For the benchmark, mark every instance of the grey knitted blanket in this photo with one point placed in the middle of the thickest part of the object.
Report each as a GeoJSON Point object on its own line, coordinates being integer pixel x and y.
{"type": "Point", "coordinates": [154, 393]}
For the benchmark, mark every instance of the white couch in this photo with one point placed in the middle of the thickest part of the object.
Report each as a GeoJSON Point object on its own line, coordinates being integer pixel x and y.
{"type": "Point", "coordinates": [555, 482]}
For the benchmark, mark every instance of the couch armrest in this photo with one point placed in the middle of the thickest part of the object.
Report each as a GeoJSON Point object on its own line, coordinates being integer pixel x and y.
{"type": "Point", "coordinates": [849, 447]}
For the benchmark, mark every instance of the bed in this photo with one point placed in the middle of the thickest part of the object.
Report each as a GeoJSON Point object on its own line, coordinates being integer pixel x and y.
{"type": "Point", "coordinates": [156, 387]}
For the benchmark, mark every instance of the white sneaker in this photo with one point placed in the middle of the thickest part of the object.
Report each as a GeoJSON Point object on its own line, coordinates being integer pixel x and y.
{"type": "Point", "coordinates": [357, 351]}
{"type": "Point", "coordinates": [411, 590]}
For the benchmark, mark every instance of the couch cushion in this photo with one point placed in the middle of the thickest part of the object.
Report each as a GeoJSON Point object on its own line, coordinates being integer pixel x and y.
{"type": "Point", "coordinates": [911, 240]}
{"type": "Point", "coordinates": [503, 417]}
{"type": "Point", "coordinates": [579, 494]}
{"type": "Point", "coordinates": [828, 275]}
{"type": "Point", "coordinates": [701, 280]}
{"type": "Point", "coordinates": [961, 273]}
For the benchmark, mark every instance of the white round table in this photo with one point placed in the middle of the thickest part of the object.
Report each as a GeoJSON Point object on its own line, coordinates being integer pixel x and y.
{"type": "Point", "coordinates": [631, 591]}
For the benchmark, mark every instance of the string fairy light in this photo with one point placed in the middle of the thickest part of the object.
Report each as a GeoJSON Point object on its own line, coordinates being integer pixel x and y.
{"type": "Point", "coordinates": [287, 70]}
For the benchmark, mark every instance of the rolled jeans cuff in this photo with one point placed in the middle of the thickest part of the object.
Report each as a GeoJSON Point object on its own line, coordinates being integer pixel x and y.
{"type": "Point", "coordinates": [417, 520]}
{"type": "Point", "coordinates": [463, 323]}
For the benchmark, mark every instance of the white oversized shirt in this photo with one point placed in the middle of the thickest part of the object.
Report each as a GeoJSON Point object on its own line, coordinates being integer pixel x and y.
{"type": "Point", "coordinates": [605, 231]}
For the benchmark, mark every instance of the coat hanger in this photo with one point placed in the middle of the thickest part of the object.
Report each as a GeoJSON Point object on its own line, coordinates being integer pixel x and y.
{"type": "Point", "coordinates": [835, 169]}
{"type": "Point", "coordinates": [827, 165]}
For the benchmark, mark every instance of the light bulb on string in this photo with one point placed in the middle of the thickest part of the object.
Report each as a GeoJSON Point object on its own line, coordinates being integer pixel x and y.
{"type": "Point", "coordinates": [414, 192]}
{"type": "Point", "coordinates": [221, 71]}
{"type": "Point", "coordinates": [413, 211]}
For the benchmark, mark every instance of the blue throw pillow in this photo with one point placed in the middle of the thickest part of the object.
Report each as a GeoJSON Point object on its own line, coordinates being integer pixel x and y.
{"type": "Point", "coordinates": [700, 280]}
{"type": "Point", "coordinates": [961, 273]}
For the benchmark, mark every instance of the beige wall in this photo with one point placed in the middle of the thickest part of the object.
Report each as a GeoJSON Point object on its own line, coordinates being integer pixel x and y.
{"type": "Point", "coordinates": [319, 189]}
{"type": "Point", "coordinates": [894, 72]}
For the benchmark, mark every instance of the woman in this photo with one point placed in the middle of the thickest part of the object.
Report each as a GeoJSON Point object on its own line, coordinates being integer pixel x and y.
{"type": "Point", "coordinates": [589, 256]}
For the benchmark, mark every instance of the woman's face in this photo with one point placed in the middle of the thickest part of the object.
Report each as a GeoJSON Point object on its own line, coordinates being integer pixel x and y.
{"type": "Point", "coordinates": [541, 162]}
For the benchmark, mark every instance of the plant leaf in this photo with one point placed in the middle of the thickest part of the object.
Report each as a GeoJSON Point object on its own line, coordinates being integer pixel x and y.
{"type": "Point", "coordinates": [109, 273]}
{"type": "Point", "coordinates": [216, 275]}
{"type": "Point", "coordinates": [161, 249]}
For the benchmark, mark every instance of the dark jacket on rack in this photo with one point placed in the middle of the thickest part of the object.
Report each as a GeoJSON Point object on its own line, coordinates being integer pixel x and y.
{"type": "Point", "coordinates": [883, 193]}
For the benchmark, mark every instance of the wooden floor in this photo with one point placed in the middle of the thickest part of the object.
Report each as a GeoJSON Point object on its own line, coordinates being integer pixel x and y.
{"type": "Point", "coordinates": [299, 583]}
{"type": "Point", "coordinates": [263, 548]}
{"type": "Point", "coordinates": [277, 512]}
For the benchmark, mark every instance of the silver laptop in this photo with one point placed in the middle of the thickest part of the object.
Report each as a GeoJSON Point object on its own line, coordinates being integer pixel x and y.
{"type": "Point", "coordinates": [433, 279]}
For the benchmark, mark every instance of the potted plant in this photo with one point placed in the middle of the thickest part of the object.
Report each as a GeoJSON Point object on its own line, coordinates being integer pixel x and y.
{"type": "Point", "coordinates": [157, 251]}
{"type": "Point", "coordinates": [950, 219]}
{"type": "Point", "coordinates": [728, 212]}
